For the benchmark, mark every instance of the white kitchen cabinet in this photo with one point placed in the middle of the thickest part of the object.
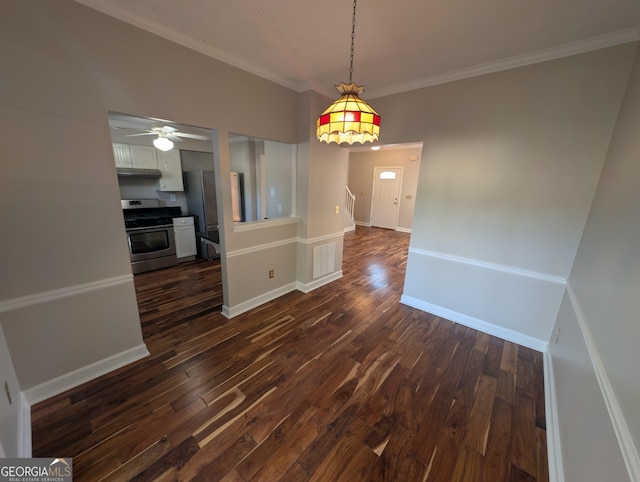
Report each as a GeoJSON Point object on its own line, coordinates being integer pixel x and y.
{"type": "Point", "coordinates": [122, 155]}
{"type": "Point", "coordinates": [143, 157]}
{"type": "Point", "coordinates": [185, 235]}
{"type": "Point", "coordinates": [140, 157]}
{"type": "Point", "coordinates": [171, 169]}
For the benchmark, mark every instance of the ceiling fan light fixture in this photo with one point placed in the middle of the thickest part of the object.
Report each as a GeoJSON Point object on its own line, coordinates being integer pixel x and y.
{"type": "Point", "coordinates": [349, 119]}
{"type": "Point", "coordinates": [163, 143]}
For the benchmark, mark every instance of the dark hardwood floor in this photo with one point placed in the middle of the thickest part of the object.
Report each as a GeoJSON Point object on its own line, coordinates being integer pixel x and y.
{"type": "Point", "coordinates": [340, 384]}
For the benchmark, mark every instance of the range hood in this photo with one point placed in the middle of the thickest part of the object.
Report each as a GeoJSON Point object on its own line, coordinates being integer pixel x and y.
{"type": "Point", "coordinates": [136, 172]}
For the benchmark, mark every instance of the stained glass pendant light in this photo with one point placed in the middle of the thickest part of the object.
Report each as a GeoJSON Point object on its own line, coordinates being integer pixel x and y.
{"type": "Point", "coordinates": [349, 119]}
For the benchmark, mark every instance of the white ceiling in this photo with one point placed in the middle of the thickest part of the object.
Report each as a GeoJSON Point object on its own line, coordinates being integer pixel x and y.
{"type": "Point", "coordinates": [399, 45]}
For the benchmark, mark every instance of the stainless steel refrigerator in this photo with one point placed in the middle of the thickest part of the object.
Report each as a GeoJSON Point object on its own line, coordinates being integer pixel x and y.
{"type": "Point", "coordinates": [201, 201]}
{"type": "Point", "coordinates": [237, 197]}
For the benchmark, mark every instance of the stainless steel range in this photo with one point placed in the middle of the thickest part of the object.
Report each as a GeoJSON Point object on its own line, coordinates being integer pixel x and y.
{"type": "Point", "coordinates": [149, 229]}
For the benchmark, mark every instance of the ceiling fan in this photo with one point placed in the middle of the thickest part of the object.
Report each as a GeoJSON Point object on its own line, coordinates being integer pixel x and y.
{"type": "Point", "coordinates": [170, 133]}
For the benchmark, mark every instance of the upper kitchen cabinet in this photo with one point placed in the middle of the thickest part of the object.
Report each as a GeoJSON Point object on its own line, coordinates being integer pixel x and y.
{"type": "Point", "coordinates": [144, 157]}
{"type": "Point", "coordinates": [122, 155]}
{"type": "Point", "coordinates": [141, 157]}
{"type": "Point", "coordinates": [171, 169]}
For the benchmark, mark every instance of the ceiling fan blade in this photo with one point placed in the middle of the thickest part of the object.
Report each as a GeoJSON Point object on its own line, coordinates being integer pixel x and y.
{"type": "Point", "coordinates": [191, 136]}
{"type": "Point", "coordinates": [142, 134]}
{"type": "Point", "coordinates": [173, 137]}
{"type": "Point", "coordinates": [123, 124]}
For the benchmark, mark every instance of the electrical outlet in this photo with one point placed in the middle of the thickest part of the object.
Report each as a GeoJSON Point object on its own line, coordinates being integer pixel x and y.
{"type": "Point", "coordinates": [271, 273]}
{"type": "Point", "coordinates": [337, 209]}
{"type": "Point", "coordinates": [172, 198]}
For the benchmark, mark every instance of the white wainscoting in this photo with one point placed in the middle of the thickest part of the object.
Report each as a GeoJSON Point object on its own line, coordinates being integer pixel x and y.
{"type": "Point", "coordinates": [230, 311]}
{"type": "Point", "coordinates": [554, 449]}
{"type": "Point", "coordinates": [628, 449]}
{"type": "Point", "coordinates": [39, 311]}
{"type": "Point", "coordinates": [514, 304]}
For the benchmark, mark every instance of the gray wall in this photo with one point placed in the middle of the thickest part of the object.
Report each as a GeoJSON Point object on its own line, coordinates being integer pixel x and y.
{"type": "Point", "coordinates": [597, 356]}
{"type": "Point", "coordinates": [65, 255]}
{"type": "Point", "coordinates": [510, 165]}
{"type": "Point", "coordinates": [67, 301]}
{"type": "Point", "coordinates": [508, 173]}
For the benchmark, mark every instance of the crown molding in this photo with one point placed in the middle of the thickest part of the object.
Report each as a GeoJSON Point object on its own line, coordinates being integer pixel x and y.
{"type": "Point", "coordinates": [565, 50]}
{"type": "Point", "coordinates": [573, 48]}
{"type": "Point", "coordinates": [185, 40]}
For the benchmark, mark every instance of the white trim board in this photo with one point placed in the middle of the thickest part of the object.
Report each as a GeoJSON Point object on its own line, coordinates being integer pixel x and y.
{"type": "Point", "coordinates": [627, 446]}
{"type": "Point", "coordinates": [308, 287]}
{"type": "Point", "coordinates": [24, 428]}
{"type": "Point", "coordinates": [66, 292]}
{"type": "Point", "coordinates": [77, 377]}
{"type": "Point", "coordinates": [232, 311]}
{"type": "Point", "coordinates": [65, 382]}
{"type": "Point", "coordinates": [554, 448]}
{"type": "Point", "coordinates": [282, 242]}
{"type": "Point", "coordinates": [263, 224]}
{"type": "Point", "coordinates": [260, 247]}
{"type": "Point", "coordinates": [319, 239]}
{"type": "Point", "coordinates": [476, 324]}
{"type": "Point", "coordinates": [493, 266]}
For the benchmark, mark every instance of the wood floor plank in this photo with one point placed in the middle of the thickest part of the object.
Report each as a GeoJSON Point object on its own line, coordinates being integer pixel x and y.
{"type": "Point", "coordinates": [497, 458]}
{"type": "Point", "coordinates": [542, 460]}
{"type": "Point", "coordinates": [342, 383]}
{"type": "Point", "coordinates": [524, 440]}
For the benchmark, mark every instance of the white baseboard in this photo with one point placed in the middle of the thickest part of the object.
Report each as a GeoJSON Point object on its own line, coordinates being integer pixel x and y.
{"type": "Point", "coordinates": [403, 230]}
{"type": "Point", "coordinates": [24, 427]}
{"type": "Point", "coordinates": [554, 452]}
{"type": "Point", "coordinates": [307, 287]}
{"type": "Point", "coordinates": [362, 223]}
{"type": "Point", "coordinates": [90, 372]}
{"type": "Point", "coordinates": [480, 325]}
{"type": "Point", "coordinates": [348, 229]}
{"type": "Point", "coordinates": [230, 312]}
{"type": "Point", "coordinates": [620, 427]}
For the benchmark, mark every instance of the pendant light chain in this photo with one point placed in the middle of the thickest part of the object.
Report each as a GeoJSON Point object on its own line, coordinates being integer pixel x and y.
{"type": "Point", "coordinates": [353, 39]}
{"type": "Point", "coordinates": [349, 119]}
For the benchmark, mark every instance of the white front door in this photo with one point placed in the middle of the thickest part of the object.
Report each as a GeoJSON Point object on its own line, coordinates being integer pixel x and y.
{"type": "Point", "coordinates": [387, 183]}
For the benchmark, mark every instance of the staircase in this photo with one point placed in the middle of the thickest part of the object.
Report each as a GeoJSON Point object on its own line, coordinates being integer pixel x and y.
{"type": "Point", "coordinates": [349, 204]}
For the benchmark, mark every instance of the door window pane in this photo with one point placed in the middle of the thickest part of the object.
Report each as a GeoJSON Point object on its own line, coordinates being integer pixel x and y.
{"type": "Point", "coordinates": [387, 175]}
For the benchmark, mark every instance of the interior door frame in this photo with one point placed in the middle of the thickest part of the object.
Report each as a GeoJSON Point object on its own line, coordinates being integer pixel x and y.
{"type": "Point", "coordinates": [376, 171]}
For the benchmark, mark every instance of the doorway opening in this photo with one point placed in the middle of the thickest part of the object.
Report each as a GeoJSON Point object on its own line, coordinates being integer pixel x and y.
{"type": "Point", "coordinates": [374, 198]}
{"type": "Point", "coordinates": [179, 179]}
